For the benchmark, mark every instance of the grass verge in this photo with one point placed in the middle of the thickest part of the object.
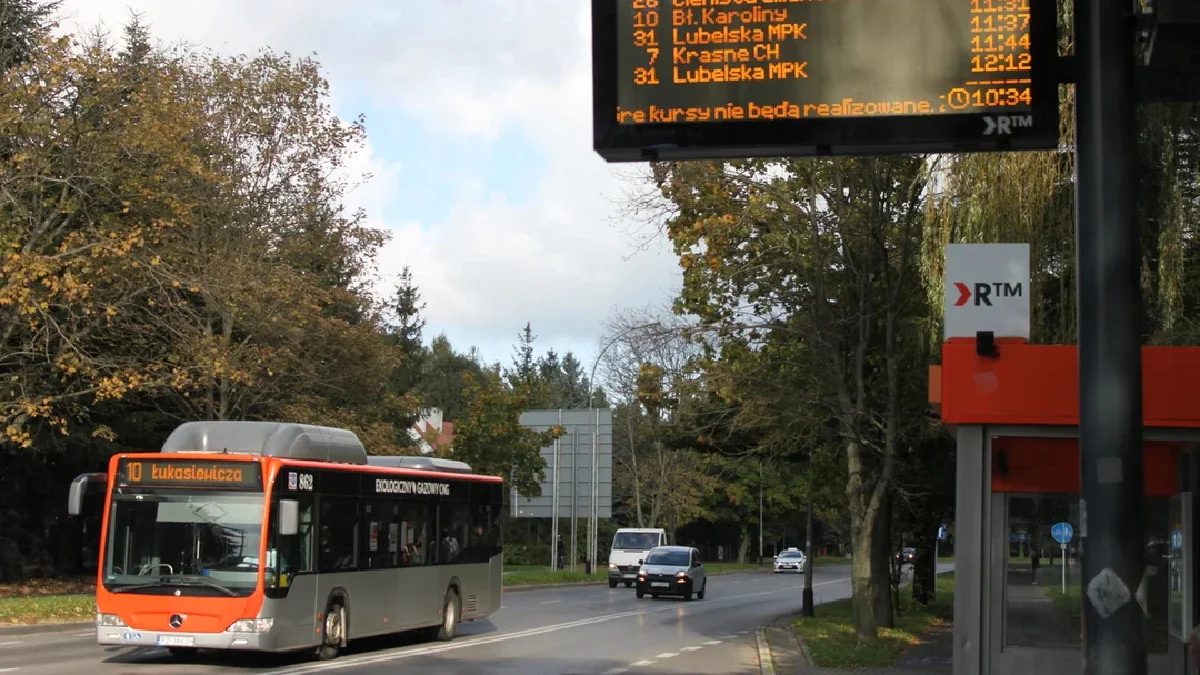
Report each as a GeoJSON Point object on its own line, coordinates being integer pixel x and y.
{"type": "Point", "coordinates": [31, 609]}
{"type": "Point", "coordinates": [831, 642]}
{"type": "Point", "coordinates": [48, 601]}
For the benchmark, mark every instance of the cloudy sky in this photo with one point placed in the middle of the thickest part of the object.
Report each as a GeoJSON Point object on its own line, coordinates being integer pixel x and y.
{"type": "Point", "coordinates": [478, 115]}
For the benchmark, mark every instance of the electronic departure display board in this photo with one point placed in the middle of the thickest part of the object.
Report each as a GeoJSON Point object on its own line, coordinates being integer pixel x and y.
{"type": "Point", "coordinates": [188, 473]}
{"type": "Point", "coordinates": [720, 79]}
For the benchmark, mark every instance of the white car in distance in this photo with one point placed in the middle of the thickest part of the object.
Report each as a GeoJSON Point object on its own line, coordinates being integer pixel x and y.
{"type": "Point", "coordinates": [791, 560]}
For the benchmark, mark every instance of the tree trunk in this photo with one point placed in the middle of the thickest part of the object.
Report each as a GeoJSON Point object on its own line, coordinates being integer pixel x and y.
{"type": "Point", "coordinates": [882, 561]}
{"type": "Point", "coordinates": [924, 580]}
{"type": "Point", "coordinates": [637, 477]}
{"type": "Point", "coordinates": [744, 545]}
{"type": "Point", "coordinates": [862, 582]}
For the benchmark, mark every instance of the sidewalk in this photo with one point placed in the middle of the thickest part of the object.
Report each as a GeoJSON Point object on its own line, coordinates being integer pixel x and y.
{"type": "Point", "coordinates": [933, 656]}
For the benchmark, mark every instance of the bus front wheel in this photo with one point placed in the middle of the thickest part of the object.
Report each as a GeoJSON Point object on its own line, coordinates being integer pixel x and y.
{"type": "Point", "coordinates": [450, 615]}
{"type": "Point", "coordinates": [331, 637]}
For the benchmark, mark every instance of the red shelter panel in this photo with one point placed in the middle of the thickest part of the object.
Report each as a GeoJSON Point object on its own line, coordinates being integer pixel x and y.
{"type": "Point", "coordinates": [1051, 466]}
{"type": "Point", "coordinates": [1039, 385]}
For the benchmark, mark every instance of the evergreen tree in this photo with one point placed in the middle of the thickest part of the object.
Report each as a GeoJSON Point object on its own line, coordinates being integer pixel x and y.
{"type": "Point", "coordinates": [22, 24]}
{"type": "Point", "coordinates": [405, 332]}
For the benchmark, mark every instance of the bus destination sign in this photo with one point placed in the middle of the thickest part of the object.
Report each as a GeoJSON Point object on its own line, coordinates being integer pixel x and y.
{"type": "Point", "coordinates": [721, 79]}
{"type": "Point", "coordinates": [189, 473]}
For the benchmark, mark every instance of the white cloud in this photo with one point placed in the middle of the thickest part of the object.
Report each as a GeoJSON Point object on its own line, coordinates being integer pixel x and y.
{"type": "Point", "coordinates": [474, 68]}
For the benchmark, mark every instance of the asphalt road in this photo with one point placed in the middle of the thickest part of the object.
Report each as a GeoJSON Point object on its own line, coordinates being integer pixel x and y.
{"type": "Point", "coordinates": [587, 630]}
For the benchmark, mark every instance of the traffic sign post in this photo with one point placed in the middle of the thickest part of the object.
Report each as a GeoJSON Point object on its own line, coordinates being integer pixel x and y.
{"type": "Point", "coordinates": [1062, 533]}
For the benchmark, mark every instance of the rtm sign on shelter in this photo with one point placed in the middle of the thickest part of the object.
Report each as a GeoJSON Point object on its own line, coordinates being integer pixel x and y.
{"type": "Point", "coordinates": [987, 289]}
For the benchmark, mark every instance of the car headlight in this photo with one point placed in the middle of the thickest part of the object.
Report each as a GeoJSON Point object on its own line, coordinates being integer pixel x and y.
{"type": "Point", "coordinates": [251, 626]}
{"type": "Point", "coordinates": [612, 566]}
{"type": "Point", "coordinates": [681, 575]}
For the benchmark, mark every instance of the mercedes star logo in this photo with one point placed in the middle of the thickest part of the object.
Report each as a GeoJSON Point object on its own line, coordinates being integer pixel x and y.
{"type": "Point", "coordinates": [176, 621]}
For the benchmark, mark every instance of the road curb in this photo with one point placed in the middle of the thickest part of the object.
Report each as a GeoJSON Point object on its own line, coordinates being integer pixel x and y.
{"type": "Point", "coordinates": [766, 662]}
{"type": "Point", "coordinates": [37, 628]}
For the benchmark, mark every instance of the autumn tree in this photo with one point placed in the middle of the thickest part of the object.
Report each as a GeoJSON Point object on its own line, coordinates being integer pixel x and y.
{"type": "Point", "coordinates": [645, 369]}
{"type": "Point", "coordinates": [490, 438]}
{"type": "Point", "coordinates": [819, 253]}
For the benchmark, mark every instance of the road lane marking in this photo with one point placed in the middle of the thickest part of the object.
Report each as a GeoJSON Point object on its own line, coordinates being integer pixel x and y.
{"type": "Point", "coordinates": [690, 649]}
{"type": "Point", "coordinates": [89, 634]}
{"type": "Point", "coordinates": [615, 671]}
{"type": "Point", "coordinates": [11, 643]}
{"type": "Point", "coordinates": [666, 655]}
{"type": "Point", "coordinates": [549, 602]}
{"type": "Point", "coordinates": [7, 670]}
{"type": "Point", "coordinates": [713, 642]}
{"type": "Point", "coordinates": [642, 664]}
{"type": "Point", "coordinates": [385, 657]}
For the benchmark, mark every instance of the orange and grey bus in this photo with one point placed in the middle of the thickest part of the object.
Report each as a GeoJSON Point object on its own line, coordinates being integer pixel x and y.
{"type": "Point", "coordinates": [283, 537]}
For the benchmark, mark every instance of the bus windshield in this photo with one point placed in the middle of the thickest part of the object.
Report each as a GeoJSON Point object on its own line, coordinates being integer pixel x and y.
{"type": "Point", "coordinates": [199, 544]}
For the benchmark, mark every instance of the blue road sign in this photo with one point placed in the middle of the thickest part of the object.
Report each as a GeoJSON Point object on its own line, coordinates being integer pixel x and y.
{"type": "Point", "coordinates": [942, 533]}
{"type": "Point", "coordinates": [1062, 532]}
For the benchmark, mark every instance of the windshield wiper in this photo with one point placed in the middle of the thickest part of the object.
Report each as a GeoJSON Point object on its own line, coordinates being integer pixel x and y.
{"type": "Point", "coordinates": [179, 581]}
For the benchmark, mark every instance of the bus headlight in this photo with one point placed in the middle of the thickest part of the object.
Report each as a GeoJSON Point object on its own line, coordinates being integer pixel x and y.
{"type": "Point", "coordinates": [251, 626]}
{"type": "Point", "coordinates": [109, 620]}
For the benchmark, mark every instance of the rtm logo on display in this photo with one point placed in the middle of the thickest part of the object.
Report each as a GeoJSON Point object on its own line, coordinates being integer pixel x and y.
{"type": "Point", "coordinates": [1003, 125]}
{"type": "Point", "coordinates": [983, 292]}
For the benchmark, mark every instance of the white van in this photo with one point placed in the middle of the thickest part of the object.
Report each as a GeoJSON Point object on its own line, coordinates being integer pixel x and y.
{"type": "Point", "coordinates": [629, 547]}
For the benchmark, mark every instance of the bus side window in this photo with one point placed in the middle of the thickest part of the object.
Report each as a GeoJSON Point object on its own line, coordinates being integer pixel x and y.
{"type": "Point", "coordinates": [414, 528]}
{"type": "Point", "coordinates": [483, 538]}
{"type": "Point", "coordinates": [338, 539]}
{"type": "Point", "coordinates": [376, 516]}
{"type": "Point", "coordinates": [452, 539]}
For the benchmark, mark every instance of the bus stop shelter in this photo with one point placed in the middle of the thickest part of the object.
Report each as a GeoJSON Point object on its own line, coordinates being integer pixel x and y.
{"type": "Point", "coordinates": [1013, 408]}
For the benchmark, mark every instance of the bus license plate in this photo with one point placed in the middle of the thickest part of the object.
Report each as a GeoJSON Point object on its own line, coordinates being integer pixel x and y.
{"type": "Point", "coordinates": [660, 584]}
{"type": "Point", "coordinates": [176, 641]}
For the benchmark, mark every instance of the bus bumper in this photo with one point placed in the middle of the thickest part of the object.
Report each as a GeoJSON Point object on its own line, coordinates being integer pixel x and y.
{"type": "Point", "coordinates": [132, 637]}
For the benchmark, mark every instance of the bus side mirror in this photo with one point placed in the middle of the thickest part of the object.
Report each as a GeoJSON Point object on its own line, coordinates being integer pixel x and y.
{"type": "Point", "coordinates": [289, 517]}
{"type": "Point", "coordinates": [79, 488]}
{"type": "Point", "coordinates": [75, 497]}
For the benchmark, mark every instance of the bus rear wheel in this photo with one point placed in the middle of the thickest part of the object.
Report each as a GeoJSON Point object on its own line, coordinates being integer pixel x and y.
{"type": "Point", "coordinates": [331, 636]}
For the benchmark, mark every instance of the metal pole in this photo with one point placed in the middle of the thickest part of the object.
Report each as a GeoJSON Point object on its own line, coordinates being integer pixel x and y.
{"type": "Point", "coordinates": [1063, 560]}
{"type": "Point", "coordinates": [595, 502]}
{"type": "Point", "coordinates": [806, 602]}
{"type": "Point", "coordinates": [760, 511]}
{"type": "Point", "coordinates": [574, 557]}
{"type": "Point", "coordinates": [1111, 501]}
{"type": "Point", "coordinates": [554, 506]}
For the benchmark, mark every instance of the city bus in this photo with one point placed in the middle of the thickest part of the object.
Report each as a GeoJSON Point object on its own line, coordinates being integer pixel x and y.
{"type": "Point", "coordinates": [284, 537]}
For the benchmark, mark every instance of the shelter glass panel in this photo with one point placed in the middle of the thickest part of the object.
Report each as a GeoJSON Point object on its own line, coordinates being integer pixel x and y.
{"type": "Point", "coordinates": [1043, 595]}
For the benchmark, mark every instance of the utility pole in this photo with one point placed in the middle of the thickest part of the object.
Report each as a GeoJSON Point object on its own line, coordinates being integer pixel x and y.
{"type": "Point", "coordinates": [760, 512]}
{"type": "Point", "coordinates": [1111, 501]}
{"type": "Point", "coordinates": [806, 604]}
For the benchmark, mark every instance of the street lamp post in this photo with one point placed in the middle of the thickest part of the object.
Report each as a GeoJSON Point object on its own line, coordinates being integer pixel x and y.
{"type": "Point", "coordinates": [594, 415]}
{"type": "Point", "coordinates": [760, 512]}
